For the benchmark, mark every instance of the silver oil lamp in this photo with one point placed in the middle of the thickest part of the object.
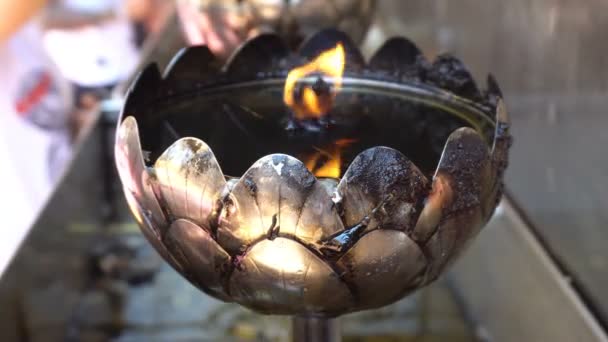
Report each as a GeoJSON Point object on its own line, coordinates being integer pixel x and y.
{"type": "Point", "coordinates": [311, 183]}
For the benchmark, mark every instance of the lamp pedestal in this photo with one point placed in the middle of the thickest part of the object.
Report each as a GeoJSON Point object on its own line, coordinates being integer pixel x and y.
{"type": "Point", "coordinates": [309, 329]}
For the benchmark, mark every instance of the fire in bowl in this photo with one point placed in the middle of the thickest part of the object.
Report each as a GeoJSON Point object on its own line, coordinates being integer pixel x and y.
{"type": "Point", "coordinates": [311, 182]}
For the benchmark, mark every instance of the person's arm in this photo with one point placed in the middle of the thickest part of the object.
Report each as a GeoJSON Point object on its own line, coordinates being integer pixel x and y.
{"type": "Point", "coordinates": [16, 13]}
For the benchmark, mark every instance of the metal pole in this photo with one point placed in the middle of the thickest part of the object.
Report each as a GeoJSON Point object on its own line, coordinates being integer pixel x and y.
{"type": "Point", "coordinates": [315, 329]}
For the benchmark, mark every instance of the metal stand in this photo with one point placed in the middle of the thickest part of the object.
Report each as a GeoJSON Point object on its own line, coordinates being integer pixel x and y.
{"type": "Point", "coordinates": [309, 329]}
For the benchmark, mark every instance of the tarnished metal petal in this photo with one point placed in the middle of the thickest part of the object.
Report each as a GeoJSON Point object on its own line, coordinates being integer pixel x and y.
{"type": "Point", "coordinates": [150, 229]}
{"type": "Point", "coordinates": [281, 276]}
{"type": "Point", "coordinates": [203, 259]}
{"type": "Point", "coordinates": [449, 73]}
{"type": "Point", "coordinates": [500, 157]}
{"type": "Point", "coordinates": [397, 53]}
{"type": "Point", "coordinates": [382, 184]}
{"type": "Point", "coordinates": [129, 157]}
{"type": "Point", "coordinates": [439, 199]}
{"type": "Point", "coordinates": [319, 218]}
{"type": "Point", "coordinates": [277, 195]}
{"type": "Point", "coordinates": [260, 54]}
{"type": "Point", "coordinates": [151, 207]}
{"type": "Point", "coordinates": [466, 168]}
{"type": "Point", "coordinates": [327, 39]}
{"type": "Point", "coordinates": [465, 163]}
{"type": "Point", "coordinates": [135, 177]}
{"type": "Point", "coordinates": [192, 62]}
{"type": "Point", "coordinates": [502, 138]}
{"type": "Point", "coordinates": [144, 89]}
{"type": "Point", "coordinates": [382, 265]}
{"type": "Point", "coordinates": [189, 180]}
{"type": "Point", "coordinates": [492, 88]}
{"type": "Point", "coordinates": [452, 237]}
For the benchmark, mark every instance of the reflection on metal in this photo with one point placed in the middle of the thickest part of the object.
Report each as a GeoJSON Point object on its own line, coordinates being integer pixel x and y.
{"type": "Point", "coordinates": [280, 241]}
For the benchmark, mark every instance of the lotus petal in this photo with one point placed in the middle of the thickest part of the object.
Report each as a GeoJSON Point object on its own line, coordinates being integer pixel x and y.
{"type": "Point", "coordinates": [492, 87]}
{"type": "Point", "coordinates": [281, 276]}
{"type": "Point", "coordinates": [500, 156]}
{"type": "Point", "coordinates": [439, 199]}
{"type": "Point", "coordinates": [153, 209]}
{"type": "Point", "coordinates": [193, 62]}
{"type": "Point", "coordinates": [149, 230]}
{"type": "Point", "coordinates": [396, 54]}
{"type": "Point", "coordinates": [204, 261]}
{"type": "Point", "coordinates": [382, 184]}
{"type": "Point", "coordinates": [129, 157]}
{"type": "Point", "coordinates": [145, 88]}
{"type": "Point", "coordinates": [260, 54]}
{"type": "Point", "coordinates": [449, 73]}
{"type": "Point", "coordinates": [466, 168]}
{"type": "Point", "coordinates": [382, 265]}
{"type": "Point", "coordinates": [451, 238]}
{"type": "Point", "coordinates": [277, 195]}
{"type": "Point", "coordinates": [189, 181]}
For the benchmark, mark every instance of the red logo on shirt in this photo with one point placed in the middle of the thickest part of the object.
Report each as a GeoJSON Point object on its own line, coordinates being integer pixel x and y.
{"type": "Point", "coordinates": [39, 101]}
{"type": "Point", "coordinates": [35, 95]}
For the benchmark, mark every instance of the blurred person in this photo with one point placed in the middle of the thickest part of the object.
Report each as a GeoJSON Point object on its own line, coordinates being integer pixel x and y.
{"type": "Point", "coordinates": [35, 102]}
{"type": "Point", "coordinates": [223, 25]}
{"type": "Point", "coordinates": [93, 44]}
{"type": "Point", "coordinates": [148, 17]}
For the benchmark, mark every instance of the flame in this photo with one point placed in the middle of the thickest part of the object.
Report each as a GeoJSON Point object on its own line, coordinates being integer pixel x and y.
{"type": "Point", "coordinates": [332, 167]}
{"type": "Point", "coordinates": [311, 104]}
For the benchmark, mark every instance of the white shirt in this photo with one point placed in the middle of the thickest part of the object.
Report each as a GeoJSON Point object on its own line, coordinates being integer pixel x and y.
{"type": "Point", "coordinates": [34, 141]}
{"type": "Point", "coordinates": [95, 55]}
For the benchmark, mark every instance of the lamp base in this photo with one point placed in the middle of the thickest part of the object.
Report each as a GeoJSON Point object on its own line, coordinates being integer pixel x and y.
{"type": "Point", "coordinates": [309, 329]}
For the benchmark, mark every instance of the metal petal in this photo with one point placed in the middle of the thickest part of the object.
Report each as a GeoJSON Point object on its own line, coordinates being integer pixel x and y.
{"type": "Point", "coordinates": [465, 163]}
{"type": "Point", "coordinates": [382, 266]}
{"type": "Point", "coordinates": [492, 87]}
{"type": "Point", "coordinates": [283, 277]}
{"type": "Point", "coordinates": [260, 54]}
{"type": "Point", "coordinates": [440, 198]}
{"type": "Point", "coordinates": [466, 168]}
{"type": "Point", "coordinates": [150, 231]}
{"type": "Point", "coordinates": [502, 137]}
{"type": "Point", "coordinates": [277, 195]}
{"type": "Point", "coordinates": [327, 39]}
{"type": "Point", "coordinates": [128, 155]}
{"type": "Point", "coordinates": [143, 90]}
{"type": "Point", "coordinates": [382, 184]}
{"type": "Point", "coordinates": [397, 53]}
{"type": "Point", "coordinates": [189, 180]}
{"type": "Point", "coordinates": [451, 238]}
{"type": "Point", "coordinates": [500, 157]}
{"type": "Point", "coordinates": [203, 259]}
{"type": "Point", "coordinates": [492, 94]}
{"type": "Point", "coordinates": [152, 208]}
{"type": "Point", "coordinates": [193, 62]}
{"type": "Point", "coordinates": [449, 73]}
{"type": "Point", "coordinates": [319, 218]}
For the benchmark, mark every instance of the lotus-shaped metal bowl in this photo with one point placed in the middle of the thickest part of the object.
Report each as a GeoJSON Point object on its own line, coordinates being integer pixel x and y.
{"type": "Point", "coordinates": [277, 239]}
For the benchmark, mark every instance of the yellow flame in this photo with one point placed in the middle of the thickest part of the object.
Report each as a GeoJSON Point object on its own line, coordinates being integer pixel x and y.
{"type": "Point", "coordinates": [330, 63]}
{"type": "Point", "coordinates": [333, 166]}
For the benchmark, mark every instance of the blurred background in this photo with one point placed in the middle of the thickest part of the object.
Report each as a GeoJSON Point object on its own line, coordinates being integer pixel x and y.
{"type": "Point", "coordinates": [75, 267]}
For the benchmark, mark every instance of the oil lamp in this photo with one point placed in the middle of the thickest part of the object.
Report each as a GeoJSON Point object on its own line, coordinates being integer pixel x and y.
{"type": "Point", "coordinates": [311, 183]}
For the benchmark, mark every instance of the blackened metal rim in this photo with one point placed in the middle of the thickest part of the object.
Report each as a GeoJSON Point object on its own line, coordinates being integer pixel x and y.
{"type": "Point", "coordinates": [478, 115]}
